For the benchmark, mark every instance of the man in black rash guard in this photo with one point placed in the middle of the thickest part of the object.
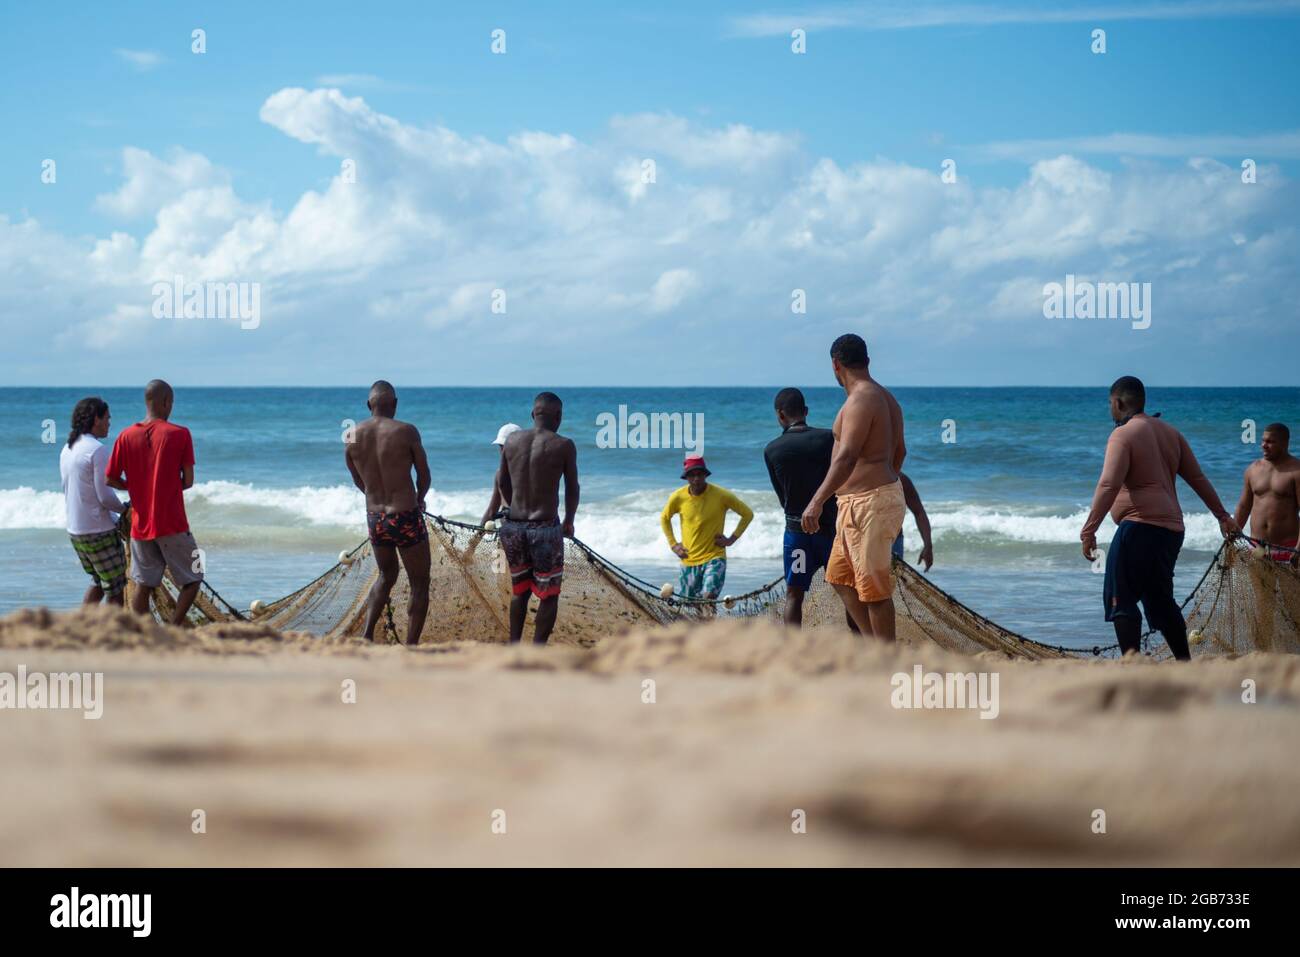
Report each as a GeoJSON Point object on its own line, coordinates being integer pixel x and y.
{"type": "Point", "coordinates": [797, 462]}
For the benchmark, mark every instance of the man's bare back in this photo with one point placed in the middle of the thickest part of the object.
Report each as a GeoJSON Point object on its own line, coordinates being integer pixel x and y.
{"type": "Point", "coordinates": [872, 417]}
{"type": "Point", "coordinates": [866, 460]}
{"type": "Point", "coordinates": [1272, 494]}
{"type": "Point", "coordinates": [536, 460]}
{"type": "Point", "coordinates": [382, 455]}
{"type": "Point", "coordinates": [532, 463]}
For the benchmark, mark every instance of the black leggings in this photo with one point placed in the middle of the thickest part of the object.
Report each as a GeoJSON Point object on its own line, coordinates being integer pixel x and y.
{"type": "Point", "coordinates": [1128, 630]}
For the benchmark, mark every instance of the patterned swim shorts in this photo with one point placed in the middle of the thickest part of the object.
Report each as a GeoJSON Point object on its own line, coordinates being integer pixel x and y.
{"type": "Point", "coordinates": [103, 557]}
{"type": "Point", "coordinates": [535, 554]}
{"type": "Point", "coordinates": [397, 529]}
{"type": "Point", "coordinates": [698, 581]}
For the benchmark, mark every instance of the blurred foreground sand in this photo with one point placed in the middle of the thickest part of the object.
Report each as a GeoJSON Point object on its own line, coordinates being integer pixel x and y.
{"type": "Point", "coordinates": [748, 725]}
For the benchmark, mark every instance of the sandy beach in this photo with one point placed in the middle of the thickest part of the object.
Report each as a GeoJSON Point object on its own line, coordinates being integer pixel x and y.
{"type": "Point", "coordinates": [468, 753]}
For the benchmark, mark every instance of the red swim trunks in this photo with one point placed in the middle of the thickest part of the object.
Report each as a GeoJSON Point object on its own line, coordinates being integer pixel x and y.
{"type": "Point", "coordinates": [1285, 553]}
{"type": "Point", "coordinates": [397, 529]}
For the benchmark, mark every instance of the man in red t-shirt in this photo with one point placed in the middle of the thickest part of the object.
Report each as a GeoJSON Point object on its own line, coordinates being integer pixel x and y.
{"type": "Point", "coordinates": [153, 462]}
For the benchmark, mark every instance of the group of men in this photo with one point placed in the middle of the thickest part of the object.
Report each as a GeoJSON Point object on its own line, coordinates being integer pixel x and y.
{"type": "Point", "coordinates": [381, 457]}
{"type": "Point", "coordinates": [153, 462]}
{"type": "Point", "coordinates": [1144, 456]}
{"type": "Point", "coordinates": [842, 490]}
{"type": "Point", "coordinates": [843, 493]}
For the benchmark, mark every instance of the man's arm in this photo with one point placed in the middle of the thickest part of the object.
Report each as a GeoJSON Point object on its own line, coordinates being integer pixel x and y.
{"type": "Point", "coordinates": [1246, 503]}
{"type": "Point", "coordinates": [771, 474]}
{"type": "Point", "coordinates": [666, 523]}
{"type": "Point", "coordinates": [666, 520]}
{"type": "Point", "coordinates": [421, 463]}
{"type": "Point", "coordinates": [187, 462]}
{"type": "Point", "coordinates": [356, 476]}
{"type": "Point", "coordinates": [746, 514]}
{"type": "Point", "coordinates": [1191, 472]}
{"type": "Point", "coordinates": [494, 503]}
{"type": "Point", "coordinates": [900, 447]}
{"type": "Point", "coordinates": [1295, 490]}
{"type": "Point", "coordinates": [503, 475]}
{"type": "Point", "coordinates": [913, 500]}
{"type": "Point", "coordinates": [105, 495]}
{"type": "Point", "coordinates": [113, 476]}
{"type": "Point", "coordinates": [570, 486]}
{"type": "Point", "coordinates": [854, 426]}
{"type": "Point", "coordinates": [1114, 469]}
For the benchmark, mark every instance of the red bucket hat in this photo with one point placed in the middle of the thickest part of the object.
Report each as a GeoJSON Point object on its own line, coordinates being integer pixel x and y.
{"type": "Point", "coordinates": [692, 463]}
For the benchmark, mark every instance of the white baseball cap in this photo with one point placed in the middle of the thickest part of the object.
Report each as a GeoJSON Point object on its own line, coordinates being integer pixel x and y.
{"type": "Point", "coordinates": [505, 432]}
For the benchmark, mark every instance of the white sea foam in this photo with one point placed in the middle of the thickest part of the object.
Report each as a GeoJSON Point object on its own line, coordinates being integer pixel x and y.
{"type": "Point", "coordinates": [624, 528]}
{"type": "Point", "coordinates": [25, 507]}
{"type": "Point", "coordinates": [239, 502]}
{"type": "Point", "coordinates": [981, 524]}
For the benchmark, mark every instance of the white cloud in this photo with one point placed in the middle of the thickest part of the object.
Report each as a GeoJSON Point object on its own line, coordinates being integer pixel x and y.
{"type": "Point", "coordinates": [397, 268]}
{"type": "Point", "coordinates": [124, 324]}
{"type": "Point", "coordinates": [151, 183]}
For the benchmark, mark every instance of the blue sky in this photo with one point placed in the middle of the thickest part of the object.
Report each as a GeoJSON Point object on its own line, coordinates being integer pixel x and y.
{"type": "Point", "coordinates": [774, 172]}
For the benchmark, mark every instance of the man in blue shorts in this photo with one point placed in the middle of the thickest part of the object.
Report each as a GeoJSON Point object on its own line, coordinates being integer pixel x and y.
{"type": "Point", "coordinates": [797, 462]}
{"type": "Point", "coordinates": [1144, 455]}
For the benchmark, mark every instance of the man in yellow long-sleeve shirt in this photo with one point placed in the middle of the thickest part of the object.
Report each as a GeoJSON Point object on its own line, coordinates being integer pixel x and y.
{"type": "Point", "coordinates": [703, 549]}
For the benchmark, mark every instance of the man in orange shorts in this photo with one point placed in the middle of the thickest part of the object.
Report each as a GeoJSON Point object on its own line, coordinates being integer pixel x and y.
{"type": "Point", "coordinates": [863, 477]}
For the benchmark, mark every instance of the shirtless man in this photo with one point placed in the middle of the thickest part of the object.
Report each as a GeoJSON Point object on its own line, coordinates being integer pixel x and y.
{"type": "Point", "coordinates": [1144, 455]}
{"type": "Point", "coordinates": [380, 457]}
{"type": "Point", "coordinates": [532, 464]}
{"type": "Point", "coordinates": [1271, 495]}
{"type": "Point", "coordinates": [863, 476]}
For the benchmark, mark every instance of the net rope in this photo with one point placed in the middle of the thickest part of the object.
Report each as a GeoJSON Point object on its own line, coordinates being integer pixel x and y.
{"type": "Point", "coordinates": [1247, 600]}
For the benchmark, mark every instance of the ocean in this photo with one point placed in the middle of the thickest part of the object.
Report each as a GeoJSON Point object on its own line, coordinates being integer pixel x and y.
{"type": "Point", "coordinates": [1006, 475]}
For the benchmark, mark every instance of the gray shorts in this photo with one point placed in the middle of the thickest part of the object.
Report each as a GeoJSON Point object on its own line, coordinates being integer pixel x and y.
{"type": "Point", "coordinates": [179, 553]}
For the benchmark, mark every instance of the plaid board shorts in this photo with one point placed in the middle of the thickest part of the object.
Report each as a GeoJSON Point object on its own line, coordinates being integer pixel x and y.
{"type": "Point", "coordinates": [103, 557]}
{"type": "Point", "coordinates": [696, 581]}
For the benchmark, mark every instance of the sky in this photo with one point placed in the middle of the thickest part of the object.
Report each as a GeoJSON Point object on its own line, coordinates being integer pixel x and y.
{"type": "Point", "coordinates": [604, 194]}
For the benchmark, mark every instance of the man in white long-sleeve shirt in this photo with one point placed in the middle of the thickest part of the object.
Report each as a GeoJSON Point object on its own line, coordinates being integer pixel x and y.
{"type": "Point", "coordinates": [93, 507]}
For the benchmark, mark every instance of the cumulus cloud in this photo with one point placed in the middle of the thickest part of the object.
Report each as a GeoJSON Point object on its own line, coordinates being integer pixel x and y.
{"type": "Point", "coordinates": [150, 182]}
{"type": "Point", "coordinates": [408, 240]}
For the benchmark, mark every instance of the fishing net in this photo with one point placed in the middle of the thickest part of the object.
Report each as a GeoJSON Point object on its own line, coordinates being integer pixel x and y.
{"type": "Point", "coordinates": [1247, 600]}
